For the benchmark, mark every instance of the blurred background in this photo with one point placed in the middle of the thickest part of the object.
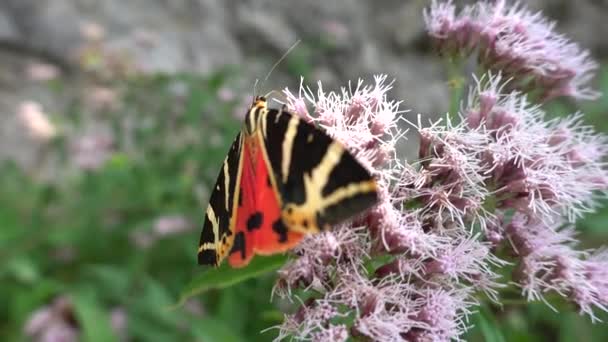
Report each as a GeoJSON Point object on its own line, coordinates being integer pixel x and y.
{"type": "Point", "coordinates": [117, 114]}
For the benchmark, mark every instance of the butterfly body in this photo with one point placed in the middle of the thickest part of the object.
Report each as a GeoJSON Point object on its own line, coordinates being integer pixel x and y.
{"type": "Point", "coordinates": [283, 178]}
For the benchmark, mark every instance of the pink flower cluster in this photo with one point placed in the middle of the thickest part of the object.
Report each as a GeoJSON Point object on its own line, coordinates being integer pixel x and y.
{"type": "Point", "coordinates": [408, 267]}
{"type": "Point", "coordinates": [548, 261]}
{"type": "Point", "coordinates": [520, 43]}
{"type": "Point", "coordinates": [496, 187]}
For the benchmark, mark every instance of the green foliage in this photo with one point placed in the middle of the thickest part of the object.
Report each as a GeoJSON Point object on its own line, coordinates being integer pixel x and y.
{"type": "Point", "coordinates": [74, 236]}
{"type": "Point", "coordinates": [93, 319]}
{"type": "Point", "coordinates": [225, 276]}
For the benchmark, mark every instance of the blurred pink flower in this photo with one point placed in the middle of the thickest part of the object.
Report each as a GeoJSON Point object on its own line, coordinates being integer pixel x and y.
{"type": "Point", "coordinates": [244, 102]}
{"type": "Point", "coordinates": [226, 94]}
{"type": "Point", "coordinates": [162, 227]}
{"type": "Point", "coordinates": [142, 239]}
{"type": "Point", "coordinates": [146, 38]}
{"type": "Point", "coordinates": [102, 98]}
{"type": "Point", "coordinates": [194, 307]}
{"type": "Point", "coordinates": [36, 121]}
{"type": "Point", "coordinates": [172, 224]}
{"type": "Point", "coordinates": [41, 72]}
{"type": "Point", "coordinates": [53, 323]}
{"type": "Point", "coordinates": [336, 31]}
{"type": "Point", "coordinates": [118, 322]}
{"type": "Point", "coordinates": [92, 31]}
{"type": "Point", "coordinates": [64, 254]}
{"type": "Point", "coordinates": [103, 60]}
{"type": "Point", "coordinates": [91, 151]}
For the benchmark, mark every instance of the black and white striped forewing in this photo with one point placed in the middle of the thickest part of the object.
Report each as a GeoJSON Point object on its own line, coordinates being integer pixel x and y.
{"type": "Point", "coordinates": [217, 236]}
{"type": "Point", "coordinates": [320, 182]}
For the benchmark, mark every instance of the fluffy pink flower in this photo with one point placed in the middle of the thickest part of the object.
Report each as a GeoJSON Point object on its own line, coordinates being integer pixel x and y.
{"type": "Point", "coordinates": [363, 118]}
{"type": "Point", "coordinates": [428, 257]}
{"type": "Point", "coordinates": [503, 157]}
{"type": "Point", "coordinates": [443, 313]}
{"type": "Point", "coordinates": [312, 322]}
{"type": "Point", "coordinates": [450, 180]}
{"type": "Point", "coordinates": [539, 166]}
{"type": "Point", "coordinates": [549, 262]}
{"type": "Point", "coordinates": [498, 177]}
{"type": "Point", "coordinates": [520, 43]}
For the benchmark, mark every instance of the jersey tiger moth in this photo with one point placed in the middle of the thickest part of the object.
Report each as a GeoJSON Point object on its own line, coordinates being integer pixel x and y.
{"type": "Point", "coordinates": [282, 178]}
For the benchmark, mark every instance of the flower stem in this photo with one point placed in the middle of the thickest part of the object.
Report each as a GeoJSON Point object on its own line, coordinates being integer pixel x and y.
{"type": "Point", "coordinates": [456, 81]}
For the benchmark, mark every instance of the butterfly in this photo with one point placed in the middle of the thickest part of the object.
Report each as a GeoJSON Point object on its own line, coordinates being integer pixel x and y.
{"type": "Point", "coordinates": [282, 178]}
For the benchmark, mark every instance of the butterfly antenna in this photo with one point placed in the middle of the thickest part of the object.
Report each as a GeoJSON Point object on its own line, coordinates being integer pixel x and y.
{"type": "Point", "coordinates": [255, 90]}
{"type": "Point", "coordinates": [293, 46]}
{"type": "Point", "coordinates": [274, 66]}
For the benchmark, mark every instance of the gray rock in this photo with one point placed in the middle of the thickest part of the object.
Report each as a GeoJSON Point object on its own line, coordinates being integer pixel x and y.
{"type": "Point", "coordinates": [8, 31]}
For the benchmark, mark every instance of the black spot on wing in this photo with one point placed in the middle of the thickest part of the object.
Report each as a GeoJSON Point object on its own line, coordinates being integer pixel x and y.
{"type": "Point", "coordinates": [255, 221]}
{"type": "Point", "coordinates": [239, 244]}
{"type": "Point", "coordinates": [348, 170]}
{"type": "Point", "coordinates": [279, 227]}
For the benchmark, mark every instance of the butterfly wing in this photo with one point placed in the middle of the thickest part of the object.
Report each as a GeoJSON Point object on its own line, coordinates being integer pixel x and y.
{"type": "Point", "coordinates": [217, 236]}
{"type": "Point", "coordinates": [259, 227]}
{"type": "Point", "coordinates": [319, 181]}
{"type": "Point", "coordinates": [282, 178]}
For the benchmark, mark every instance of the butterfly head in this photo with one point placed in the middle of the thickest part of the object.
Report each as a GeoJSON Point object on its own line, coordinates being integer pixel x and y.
{"type": "Point", "coordinates": [258, 107]}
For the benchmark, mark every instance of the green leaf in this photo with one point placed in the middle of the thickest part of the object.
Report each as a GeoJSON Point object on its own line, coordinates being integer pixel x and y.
{"type": "Point", "coordinates": [24, 269]}
{"type": "Point", "coordinates": [25, 300]}
{"type": "Point", "coordinates": [147, 319]}
{"type": "Point", "coordinates": [230, 304]}
{"type": "Point", "coordinates": [93, 319]}
{"type": "Point", "coordinates": [488, 325]}
{"type": "Point", "coordinates": [226, 276]}
{"type": "Point", "coordinates": [211, 330]}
